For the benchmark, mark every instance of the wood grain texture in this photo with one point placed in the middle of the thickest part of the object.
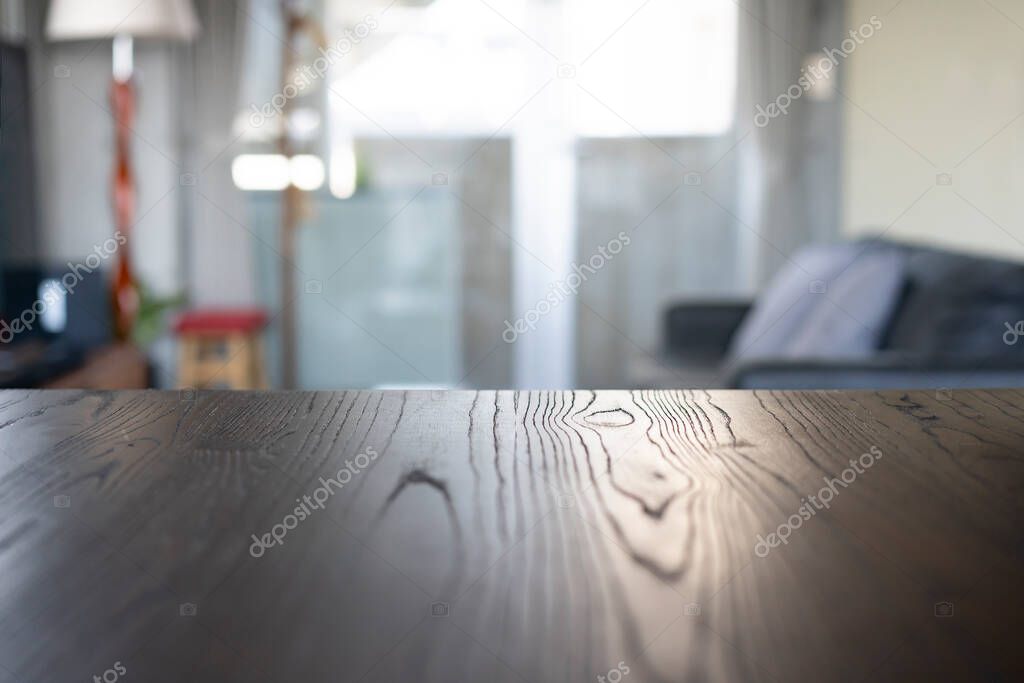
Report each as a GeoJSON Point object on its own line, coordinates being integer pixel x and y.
{"type": "Point", "coordinates": [504, 536]}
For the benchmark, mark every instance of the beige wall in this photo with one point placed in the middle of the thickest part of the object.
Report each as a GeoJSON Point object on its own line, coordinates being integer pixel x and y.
{"type": "Point", "coordinates": [940, 89]}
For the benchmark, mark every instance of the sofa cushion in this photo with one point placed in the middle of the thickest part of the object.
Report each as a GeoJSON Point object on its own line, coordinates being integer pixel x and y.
{"type": "Point", "coordinates": [855, 313]}
{"type": "Point", "coordinates": [829, 302]}
{"type": "Point", "coordinates": [958, 306]}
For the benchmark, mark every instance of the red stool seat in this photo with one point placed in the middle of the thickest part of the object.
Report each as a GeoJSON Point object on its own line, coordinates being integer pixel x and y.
{"type": "Point", "coordinates": [221, 347]}
{"type": "Point", "coordinates": [221, 321]}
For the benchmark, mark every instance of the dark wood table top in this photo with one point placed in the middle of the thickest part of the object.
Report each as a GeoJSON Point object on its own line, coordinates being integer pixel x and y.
{"type": "Point", "coordinates": [542, 536]}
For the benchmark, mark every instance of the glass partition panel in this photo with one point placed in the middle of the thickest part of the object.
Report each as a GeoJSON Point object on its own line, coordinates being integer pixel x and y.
{"type": "Point", "coordinates": [378, 279]}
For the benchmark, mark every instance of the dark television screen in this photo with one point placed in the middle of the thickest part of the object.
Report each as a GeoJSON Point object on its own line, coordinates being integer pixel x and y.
{"type": "Point", "coordinates": [17, 164]}
{"type": "Point", "coordinates": [18, 210]}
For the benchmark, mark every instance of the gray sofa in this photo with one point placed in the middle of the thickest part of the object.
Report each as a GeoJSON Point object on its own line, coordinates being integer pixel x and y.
{"type": "Point", "coordinates": [863, 315]}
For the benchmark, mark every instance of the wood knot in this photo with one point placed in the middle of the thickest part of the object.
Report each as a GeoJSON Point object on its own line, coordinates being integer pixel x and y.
{"type": "Point", "coordinates": [616, 417]}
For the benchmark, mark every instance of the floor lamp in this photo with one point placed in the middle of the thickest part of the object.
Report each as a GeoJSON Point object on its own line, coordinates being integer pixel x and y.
{"type": "Point", "coordinates": [123, 21]}
{"type": "Point", "coordinates": [297, 24]}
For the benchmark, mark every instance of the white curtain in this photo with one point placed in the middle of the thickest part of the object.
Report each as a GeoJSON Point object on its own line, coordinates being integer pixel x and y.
{"type": "Point", "coordinates": [219, 249]}
{"type": "Point", "coordinates": [12, 20]}
{"type": "Point", "coordinates": [788, 170]}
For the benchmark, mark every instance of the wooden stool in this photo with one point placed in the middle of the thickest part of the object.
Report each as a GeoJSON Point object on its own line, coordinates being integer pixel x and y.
{"type": "Point", "coordinates": [221, 348]}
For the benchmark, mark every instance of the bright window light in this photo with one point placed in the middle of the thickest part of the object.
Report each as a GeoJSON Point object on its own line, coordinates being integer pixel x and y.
{"type": "Point", "coordinates": [307, 172]}
{"type": "Point", "coordinates": [274, 172]}
{"type": "Point", "coordinates": [638, 68]}
{"type": "Point", "coordinates": [343, 169]}
{"type": "Point", "coordinates": [266, 172]}
{"type": "Point", "coordinates": [668, 70]}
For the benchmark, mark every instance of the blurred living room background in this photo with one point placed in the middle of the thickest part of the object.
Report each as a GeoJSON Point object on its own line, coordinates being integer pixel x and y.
{"type": "Point", "coordinates": [520, 194]}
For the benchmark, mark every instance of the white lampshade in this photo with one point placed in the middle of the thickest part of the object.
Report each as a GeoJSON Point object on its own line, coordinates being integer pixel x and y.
{"type": "Point", "coordinates": [94, 19]}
